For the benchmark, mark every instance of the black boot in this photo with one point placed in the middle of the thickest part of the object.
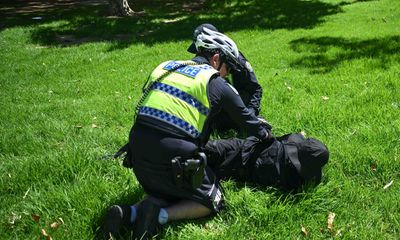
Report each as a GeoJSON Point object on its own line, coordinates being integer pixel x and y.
{"type": "Point", "coordinates": [147, 224]}
{"type": "Point", "coordinates": [117, 219]}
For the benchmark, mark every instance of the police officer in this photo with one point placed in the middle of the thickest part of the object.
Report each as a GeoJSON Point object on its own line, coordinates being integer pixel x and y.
{"type": "Point", "coordinates": [173, 119]}
{"type": "Point", "coordinates": [243, 79]}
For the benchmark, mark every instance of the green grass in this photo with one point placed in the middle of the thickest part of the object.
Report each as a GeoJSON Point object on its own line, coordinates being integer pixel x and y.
{"type": "Point", "coordinates": [330, 68]}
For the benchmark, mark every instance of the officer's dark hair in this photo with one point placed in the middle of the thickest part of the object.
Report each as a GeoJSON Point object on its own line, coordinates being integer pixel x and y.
{"type": "Point", "coordinates": [208, 53]}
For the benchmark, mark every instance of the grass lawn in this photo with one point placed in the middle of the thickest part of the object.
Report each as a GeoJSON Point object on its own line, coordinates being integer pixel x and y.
{"type": "Point", "coordinates": [70, 77]}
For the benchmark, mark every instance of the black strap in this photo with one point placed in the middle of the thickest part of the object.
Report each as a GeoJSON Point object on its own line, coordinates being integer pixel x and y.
{"type": "Point", "coordinates": [121, 151]}
{"type": "Point", "coordinates": [292, 153]}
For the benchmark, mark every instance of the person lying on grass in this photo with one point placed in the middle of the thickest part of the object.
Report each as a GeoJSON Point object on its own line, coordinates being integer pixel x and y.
{"type": "Point", "coordinates": [288, 162]}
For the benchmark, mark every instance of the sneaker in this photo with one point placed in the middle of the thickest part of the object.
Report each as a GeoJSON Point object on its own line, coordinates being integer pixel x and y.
{"type": "Point", "coordinates": [118, 217]}
{"type": "Point", "coordinates": [147, 224]}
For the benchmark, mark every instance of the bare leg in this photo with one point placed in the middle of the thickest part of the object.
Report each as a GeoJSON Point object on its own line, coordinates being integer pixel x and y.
{"type": "Point", "coordinates": [187, 209]}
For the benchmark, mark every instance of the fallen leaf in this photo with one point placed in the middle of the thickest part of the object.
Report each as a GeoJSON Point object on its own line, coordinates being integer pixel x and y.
{"type": "Point", "coordinates": [304, 230]}
{"type": "Point", "coordinates": [61, 220]}
{"type": "Point", "coordinates": [35, 217]}
{"type": "Point", "coordinates": [94, 125]}
{"type": "Point", "coordinates": [49, 238]}
{"type": "Point", "coordinates": [44, 233]}
{"type": "Point", "coordinates": [331, 217]}
{"type": "Point", "coordinates": [325, 98]}
{"type": "Point", "coordinates": [374, 166]}
{"type": "Point", "coordinates": [388, 185]}
{"type": "Point", "coordinates": [55, 225]}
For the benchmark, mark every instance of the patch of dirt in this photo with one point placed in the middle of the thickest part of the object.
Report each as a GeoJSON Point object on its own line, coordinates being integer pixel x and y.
{"type": "Point", "coordinates": [22, 7]}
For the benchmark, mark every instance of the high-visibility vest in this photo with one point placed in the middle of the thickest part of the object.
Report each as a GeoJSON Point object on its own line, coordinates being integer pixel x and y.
{"type": "Point", "coordinates": [180, 98]}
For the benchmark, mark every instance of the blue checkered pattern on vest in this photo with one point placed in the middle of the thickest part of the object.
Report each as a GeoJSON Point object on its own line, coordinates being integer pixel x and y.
{"type": "Point", "coordinates": [181, 95]}
{"type": "Point", "coordinates": [166, 117]}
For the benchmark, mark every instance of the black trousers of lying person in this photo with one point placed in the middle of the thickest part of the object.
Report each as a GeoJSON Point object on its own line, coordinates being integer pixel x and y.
{"type": "Point", "coordinates": [288, 162]}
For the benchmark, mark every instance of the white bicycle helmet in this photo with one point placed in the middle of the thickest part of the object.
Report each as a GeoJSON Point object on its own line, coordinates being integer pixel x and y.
{"type": "Point", "coordinates": [212, 40]}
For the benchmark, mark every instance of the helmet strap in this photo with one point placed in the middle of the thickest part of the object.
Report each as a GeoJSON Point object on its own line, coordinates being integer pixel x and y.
{"type": "Point", "coordinates": [220, 65]}
{"type": "Point", "coordinates": [222, 59]}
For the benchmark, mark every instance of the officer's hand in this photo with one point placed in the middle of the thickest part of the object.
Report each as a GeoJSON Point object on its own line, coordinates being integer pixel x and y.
{"type": "Point", "coordinates": [270, 138]}
{"type": "Point", "coordinates": [265, 123]}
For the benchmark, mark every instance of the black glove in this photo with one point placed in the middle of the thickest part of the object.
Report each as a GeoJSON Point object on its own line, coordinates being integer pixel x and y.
{"type": "Point", "coordinates": [264, 123]}
{"type": "Point", "coordinates": [269, 139]}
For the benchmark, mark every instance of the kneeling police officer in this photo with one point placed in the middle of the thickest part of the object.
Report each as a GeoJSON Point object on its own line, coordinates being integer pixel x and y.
{"type": "Point", "coordinates": [173, 121]}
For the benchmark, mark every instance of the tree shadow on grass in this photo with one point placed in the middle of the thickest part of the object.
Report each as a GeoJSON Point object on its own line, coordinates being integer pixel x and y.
{"type": "Point", "coordinates": [166, 21]}
{"type": "Point", "coordinates": [19, 13]}
{"type": "Point", "coordinates": [324, 54]}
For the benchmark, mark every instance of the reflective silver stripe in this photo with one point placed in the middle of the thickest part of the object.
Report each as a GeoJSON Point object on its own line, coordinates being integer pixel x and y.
{"type": "Point", "coordinates": [169, 118]}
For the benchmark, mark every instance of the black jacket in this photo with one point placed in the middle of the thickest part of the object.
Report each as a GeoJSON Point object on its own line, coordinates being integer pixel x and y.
{"type": "Point", "coordinates": [287, 162]}
{"type": "Point", "coordinates": [222, 96]}
{"type": "Point", "coordinates": [245, 81]}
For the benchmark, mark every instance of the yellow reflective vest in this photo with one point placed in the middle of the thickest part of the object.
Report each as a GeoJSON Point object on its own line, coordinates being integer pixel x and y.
{"type": "Point", "coordinates": [180, 98]}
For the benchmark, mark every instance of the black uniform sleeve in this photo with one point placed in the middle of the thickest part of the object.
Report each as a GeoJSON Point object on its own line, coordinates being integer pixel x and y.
{"type": "Point", "coordinates": [224, 96]}
{"type": "Point", "coordinates": [245, 81]}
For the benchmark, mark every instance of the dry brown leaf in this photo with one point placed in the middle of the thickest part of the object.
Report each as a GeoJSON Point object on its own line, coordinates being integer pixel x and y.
{"type": "Point", "coordinates": [304, 230]}
{"type": "Point", "coordinates": [331, 218]}
{"type": "Point", "coordinates": [374, 166]}
{"type": "Point", "coordinates": [388, 185]}
{"type": "Point", "coordinates": [35, 217]}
